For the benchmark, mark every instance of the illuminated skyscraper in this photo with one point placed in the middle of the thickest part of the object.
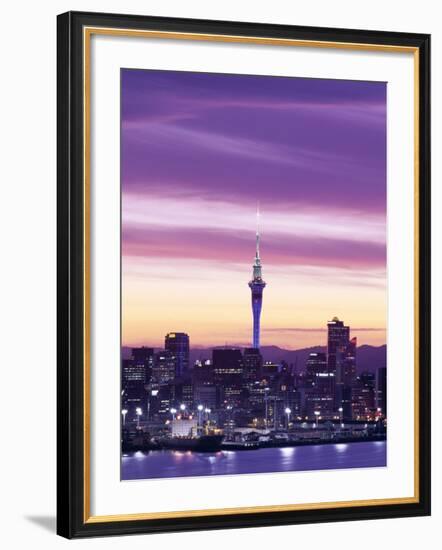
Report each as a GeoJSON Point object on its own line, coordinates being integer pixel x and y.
{"type": "Point", "coordinates": [257, 286]}
{"type": "Point", "coordinates": [228, 369]}
{"type": "Point", "coordinates": [338, 337]}
{"type": "Point", "coordinates": [341, 365]}
{"type": "Point", "coordinates": [178, 345]}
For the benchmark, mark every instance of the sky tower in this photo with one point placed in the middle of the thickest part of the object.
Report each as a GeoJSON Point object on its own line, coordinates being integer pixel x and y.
{"type": "Point", "coordinates": [257, 286]}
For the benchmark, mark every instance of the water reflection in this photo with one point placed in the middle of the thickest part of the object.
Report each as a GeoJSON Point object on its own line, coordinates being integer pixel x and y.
{"type": "Point", "coordinates": [167, 464]}
{"type": "Point", "coordinates": [287, 452]}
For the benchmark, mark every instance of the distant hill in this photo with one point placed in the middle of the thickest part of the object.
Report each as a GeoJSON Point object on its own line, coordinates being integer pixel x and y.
{"type": "Point", "coordinates": [369, 358]}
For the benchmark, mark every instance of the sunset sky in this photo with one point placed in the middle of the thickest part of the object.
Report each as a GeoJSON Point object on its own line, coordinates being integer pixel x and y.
{"type": "Point", "coordinates": [199, 151]}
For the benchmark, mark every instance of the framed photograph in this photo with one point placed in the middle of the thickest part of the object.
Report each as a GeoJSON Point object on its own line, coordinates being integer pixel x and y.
{"type": "Point", "coordinates": [243, 274]}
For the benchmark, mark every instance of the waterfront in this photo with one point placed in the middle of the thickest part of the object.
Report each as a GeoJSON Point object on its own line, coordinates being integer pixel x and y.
{"type": "Point", "coordinates": [168, 464]}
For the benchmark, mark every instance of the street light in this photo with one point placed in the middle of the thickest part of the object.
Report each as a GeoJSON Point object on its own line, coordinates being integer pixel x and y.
{"type": "Point", "coordinates": [266, 393]}
{"type": "Point", "coordinates": [173, 412]}
{"type": "Point", "coordinates": [139, 412]}
{"type": "Point", "coordinates": [124, 412]}
{"type": "Point", "coordinates": [288, 412]}
{"type": "Point", "coordinates": [341, 410]}
{"type": "Point", "coordinates": [317, 413]}
{"type": "Point", "coordinates": [182, 407]}
{"type": "Point", "coordinates": [200, 410]}
{"type": "Point", "coordinates": [207, 411]}
{"type": "Point", "coordinates": [150, 393]}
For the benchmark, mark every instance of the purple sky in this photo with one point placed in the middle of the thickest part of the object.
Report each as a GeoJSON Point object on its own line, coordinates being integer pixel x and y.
{"type": "Point", "coordinates": [200, 150]}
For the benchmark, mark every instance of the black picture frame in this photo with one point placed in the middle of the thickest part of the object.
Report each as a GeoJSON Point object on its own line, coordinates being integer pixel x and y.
{"type": "Point", "coordinates": [71, 519]}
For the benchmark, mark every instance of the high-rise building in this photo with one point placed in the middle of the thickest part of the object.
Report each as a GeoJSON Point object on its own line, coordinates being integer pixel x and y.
{"type": "Point", "coordinates": [133, 381]}
{"type": "Point", "coordinates": [227, 362]}
{"type": "Point", "coordinates": [257, 286]}
{"type": "Point", "coordinates": [184, 392]}
{"type": "Point", "coordinates": [341, 363]}
{"type": "Point", "coordinates": [228, 369]}
{"type": "Point", "coordinates": [143, 357]}
{"type": "Point", "coordinates": [316, 363]}
{"type": "Point", "coordinates": [164, 365]}
{"type": "Point", "coordinates": [205, 395]}
{"type": "Point", "coordinates": [177, 343]}
{"type": "Point", "coordinates": [142, 354]}
{"type": "Point", "coordinates": [381, 390]}
{"type": "Point", "coordinates": [363, 396]}
{"type": "Point", "coordinates": [345, 377]}
{"type": "Point", "coordinates": [317, 394]}
{"type": "Point", "coordinates": [252, 364]}
{"type": "Point", "coordinates": [338, 337]}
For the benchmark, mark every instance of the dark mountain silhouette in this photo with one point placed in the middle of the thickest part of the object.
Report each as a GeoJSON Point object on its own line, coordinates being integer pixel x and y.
{"type": "Point", "coordinates": [369, 358]}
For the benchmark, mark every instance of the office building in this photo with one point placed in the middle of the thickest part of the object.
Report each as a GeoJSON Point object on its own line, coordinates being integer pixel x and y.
{"type": "Point", "coordinates": [177, 343]}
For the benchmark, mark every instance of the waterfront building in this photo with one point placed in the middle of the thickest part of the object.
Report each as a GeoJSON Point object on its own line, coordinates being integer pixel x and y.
{"type": "Point", "coordinates": [177, 343]}
{"type": "Point", "coordinates": [318, 392]}
{"type": "Point", "coordinates": [363, 396]}
{"type": "Point", "coordinates": [257, 286]}
{"type": "Point", "coordinates": [184, 392]}
{"type": "Point", "coordinates": [381, 390]}
{"type": "Point", "coordinates": [132, 386]}
{"type": "Point", "coordinates": [161, 401]}
{"type": "Point", "coordinates": [318, 398]}
{"type": "Point", "coordinates": [205, 394]}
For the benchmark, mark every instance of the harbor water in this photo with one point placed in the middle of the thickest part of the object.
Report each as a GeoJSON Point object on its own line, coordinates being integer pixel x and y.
{"type": "Point", "coordinates": [169, 464]}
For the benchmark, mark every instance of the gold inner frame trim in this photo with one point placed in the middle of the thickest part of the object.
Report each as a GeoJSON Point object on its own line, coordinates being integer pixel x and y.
{"type": "Point", "coordinates": [87, 34]}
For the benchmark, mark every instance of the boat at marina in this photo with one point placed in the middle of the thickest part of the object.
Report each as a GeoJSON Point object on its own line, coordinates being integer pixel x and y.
{"type": "Point", "coordinates": [187, 435]}
{"type": "Point", "coordinates": [205, 443]}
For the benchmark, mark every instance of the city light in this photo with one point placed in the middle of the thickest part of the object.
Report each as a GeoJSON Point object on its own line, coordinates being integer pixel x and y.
{"type": "Point", "coordinates": [124, 412]}
{"type": "Point", "coordinates": [288, 412]}
{"type": "Point", "coordinates": [274, 403]}
{"type": "Point", "coordinates": [317, 413]}
{"type": "Point", "coordinates": [191, 353]}
{"type": "Point", "coordinates": [139, 412]}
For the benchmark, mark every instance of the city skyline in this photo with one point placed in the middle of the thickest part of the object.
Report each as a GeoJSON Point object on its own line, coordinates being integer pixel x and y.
{"type": "Point", "coordinates": [235, 400]}
{"type": "Point", "coordinates": [232, 381]}
{"type": "Point", "coordinates": [198, 152]}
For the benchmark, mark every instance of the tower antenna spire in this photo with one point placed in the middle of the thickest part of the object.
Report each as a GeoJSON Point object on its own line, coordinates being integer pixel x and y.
{"type": "Point", "coordinates": [257, 229]}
